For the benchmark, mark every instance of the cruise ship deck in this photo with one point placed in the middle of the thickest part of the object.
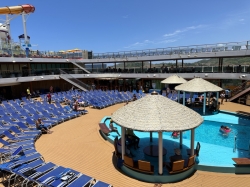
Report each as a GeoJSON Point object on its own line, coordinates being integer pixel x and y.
{"type": "Point", "coordinates": [77, 144]}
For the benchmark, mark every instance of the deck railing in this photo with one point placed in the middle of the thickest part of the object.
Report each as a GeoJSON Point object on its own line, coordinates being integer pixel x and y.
{"type": "Point", "coordinates": [7, 50]}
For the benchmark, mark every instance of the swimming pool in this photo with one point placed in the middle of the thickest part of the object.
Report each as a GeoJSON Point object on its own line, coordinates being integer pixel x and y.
{"type": "Point", "coordinates": [213, 142]}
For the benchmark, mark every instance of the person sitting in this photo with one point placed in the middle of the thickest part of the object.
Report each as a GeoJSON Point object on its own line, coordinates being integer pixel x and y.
{"type": "Point", "coordinates": [119, 148]}
{"type": "Point", "coordinates": [132, 138]}
{"type": "Point", "coordinates": [177, 156]}
{"type": "Point", "coordinates": [213, 105]}
{"type": "Point", "coordinates": [40, 126]}
{"type": "Point", "coordinates": [75, 105]}
{"type": "Point", "coordinates": [134, 97]}
{"type": "Point", "coordinates": [112, 128]}
{"type": "Point", "coordinates": [175, 134]}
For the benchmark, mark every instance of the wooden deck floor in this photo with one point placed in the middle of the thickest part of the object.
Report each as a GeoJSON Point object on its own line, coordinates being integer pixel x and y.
{"type": "Point", "coordinates": [77, 144]}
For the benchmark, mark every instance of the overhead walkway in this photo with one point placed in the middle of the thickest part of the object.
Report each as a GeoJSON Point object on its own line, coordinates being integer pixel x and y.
{"type": "Point", "coordinates": [74, 81]}
{"type": "Point", "coordinates": [239, 91]}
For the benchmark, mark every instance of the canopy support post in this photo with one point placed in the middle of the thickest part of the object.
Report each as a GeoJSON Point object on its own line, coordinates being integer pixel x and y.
{"type": "Point", "coordinates": [217, 97]}
{"type": "Point", "coordinates": [160, 148]}
{"type": "Point", "coordinates": [178, 96]}
{"type": "Point", "coordinates": [123, 142]}
{"type": "Point", "coordinates": [183, 98]}
{"type": "Point", "coordinates": [151, 136]}
{"type": "Point", "coordinates": [180, 139]}
{"type": "Point", "coordinates": [192, 142]}
{"type": "Point", "coordinates": [204, 103]}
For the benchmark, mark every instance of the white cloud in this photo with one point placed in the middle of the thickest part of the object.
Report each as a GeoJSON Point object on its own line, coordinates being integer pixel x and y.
{"type": "Point", "coordinates": [179, 31]}
{"type": "Point", "coordinates": [149, 42]}
{"type": "Point", "coordinates": [125, 17]}
{"type": "Point", "coordinates": [241, 20]}
{"type": "Point", "coordinates": [139, 44]}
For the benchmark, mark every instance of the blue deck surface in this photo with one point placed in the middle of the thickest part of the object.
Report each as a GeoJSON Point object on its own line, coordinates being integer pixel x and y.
{"type": "Point", "coordinates": [216, 148]}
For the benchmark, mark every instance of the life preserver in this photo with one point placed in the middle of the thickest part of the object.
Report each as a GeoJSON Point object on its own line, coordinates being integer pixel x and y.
{"type": "Point", "coordinates": [225, 130]}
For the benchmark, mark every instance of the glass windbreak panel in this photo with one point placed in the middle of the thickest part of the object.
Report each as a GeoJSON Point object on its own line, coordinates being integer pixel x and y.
{"type": "Point", "coordinates": [44, 66]}
{"type": "Point", "coordinates": [33, 67]}
{"type": "Point", "coordinates": [119, 67]}
{"type": "Point", "coordinates": [132, 67]}
{"type": "Point", "coordinates": [236, 65]}
{"type": "Point", "coordinates": [97, 68]}
{"type": "Point", "coordinates": [58, 66]}
{"type": "Point", "coordinates": [62, 66]}
{"type": "Point", "coordinates": [156, 66]}
{"type": "Point", "coordinates": [109, 68]}
{"type": "Point", "coordinates": [49, 66]}
{"type": "Point", "coordinates": [215, 69]}
{"type": "Point", "coordinates": [88, 67]}
{"type": "Point", "coordinates": [16, 67]}
{"type": "Point", "coordinates": [168, 66]}
{"type": "Point", "coordinates": [38, 66]}
{"type": "Point", "coordinates": [66, 65]}
{"type": "Point", "coordinates": [207, 69]}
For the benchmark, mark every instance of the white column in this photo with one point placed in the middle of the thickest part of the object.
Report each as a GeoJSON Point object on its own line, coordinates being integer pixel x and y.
{"type": "Point", "coordinates": [160, 148]}
{"type": "Point", "coordinates": [123, 142]}
{"type": "Point", "coordinates": [192, 142]}
{"type": "Point", "coordinates": [204, 103]}
{"type": "Point", "coordinates": [178, 96]}
{"type": "Point", "coordinates": [183, 98]}
{"type": "Point", "coordinates": [180, 139]}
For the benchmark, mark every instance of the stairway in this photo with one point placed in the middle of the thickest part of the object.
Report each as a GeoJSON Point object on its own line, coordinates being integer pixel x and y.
{"type": "Point", "coordinates": [240, 90]}
{"type": "Point", "coordinates": [74, 81]}
{"type": "Point", "coordinates": [79, 65]}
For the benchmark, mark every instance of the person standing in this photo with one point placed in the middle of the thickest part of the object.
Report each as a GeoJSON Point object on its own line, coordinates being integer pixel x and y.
{"type": "Point", "coordinates": [222, 96]}
{"type": "Point", "coordinates": [28, 92]}
{"type": "Point", "coordinates": [49, 98]}
{"type": "Point", "coordinates": [227, 93]}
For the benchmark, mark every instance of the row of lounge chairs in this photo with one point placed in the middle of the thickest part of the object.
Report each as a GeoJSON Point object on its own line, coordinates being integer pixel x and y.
{"type": "Point", "coordinates": [21, 164]}
{"type": "Point", "coordinates": [97, 98]}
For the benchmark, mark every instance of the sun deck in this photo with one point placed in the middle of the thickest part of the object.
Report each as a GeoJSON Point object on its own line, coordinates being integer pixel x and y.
{"type": "Point", "coordinates": [77, 144]}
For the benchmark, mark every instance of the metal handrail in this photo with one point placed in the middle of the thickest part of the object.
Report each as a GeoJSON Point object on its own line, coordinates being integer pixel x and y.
{"type": "Point", "coordinates": [75, 80]}
{"type": "Point", "coordinates": [240, 88]}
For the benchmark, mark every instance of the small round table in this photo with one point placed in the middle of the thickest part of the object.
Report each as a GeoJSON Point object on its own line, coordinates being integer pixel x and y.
{"type": "Point", "coordinates": [152, 150]}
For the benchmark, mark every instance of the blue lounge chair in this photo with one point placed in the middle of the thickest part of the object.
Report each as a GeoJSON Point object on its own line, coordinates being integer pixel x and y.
{"type": "Point", "coordinates": [81, 180]}
{"type": "Point", "coordinates": [38, 172]}
{"type": "Point", "coordinates": [101, 184]}
{"type": "Point", "coordinates": [20, 133]}
{"type": "Point", "coordinates": [24, 170]}
{"type": "Point", "coordinates": [64, 178]}
{"type": "Point", "coordinates": [25, 144]}
{"type": "Point", "coordinates": [13, 138]}
{"type": "Point", "coordinates": [50, 176]}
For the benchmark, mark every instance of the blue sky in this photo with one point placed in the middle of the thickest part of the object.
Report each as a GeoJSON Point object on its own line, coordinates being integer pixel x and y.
{"type": "Point", "coordinates": [123, 25]}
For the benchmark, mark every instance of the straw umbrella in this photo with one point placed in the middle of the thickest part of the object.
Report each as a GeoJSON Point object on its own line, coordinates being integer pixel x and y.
{"type": "Point", "coordinates": [199, 85]}
{"type": "Point", "coordinates": [155, 113]}
{"type": "Point", "coordinates": [174, 79]}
